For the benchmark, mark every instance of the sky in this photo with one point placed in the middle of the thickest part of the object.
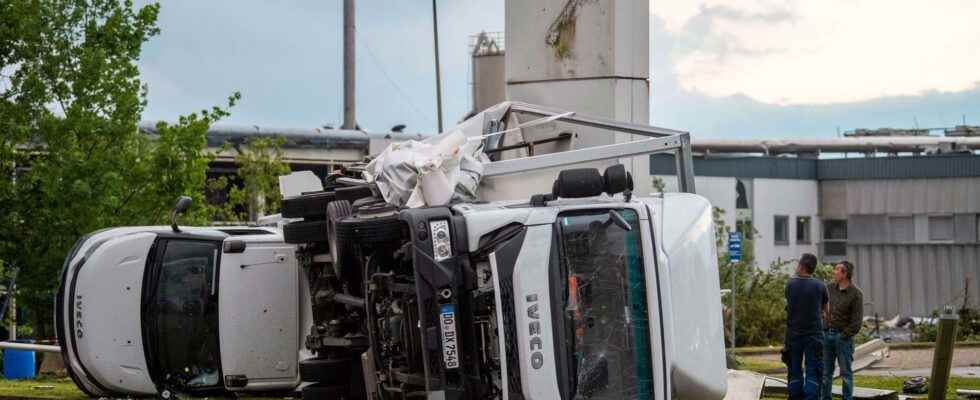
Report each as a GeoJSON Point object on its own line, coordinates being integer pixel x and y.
{"type": "Point", "coordinates": [719, 68]}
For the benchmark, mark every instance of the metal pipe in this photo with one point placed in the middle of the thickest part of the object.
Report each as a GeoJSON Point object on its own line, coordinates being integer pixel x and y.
{"type": "Point", "coordinates": [834, 145]}
{"type": "Point", "coordinates": [30, 347]}
{"type": "Point", "coordinates": [435, 40]}
{"type": "Point", "coordinates": [12, 329]}
{"type": "Point", "coordinates": [348, 300]}
{"type": "Point", "coordinates": [589, 154]}
{"type": "Point", "coordinates": [530, 145]}
{"type": "Point", "coordinates": [685, 165]}
{"type": "Point", "coordinates": [350, 121]}
{"type": "Point", "coordinates": [592, 121]}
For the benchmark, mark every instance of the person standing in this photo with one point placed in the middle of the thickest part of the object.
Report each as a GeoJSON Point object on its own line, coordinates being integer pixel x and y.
{"type": "Point", "coordinates": [843, 322]}
{"type": "Point", "coordinates": [806, 302]}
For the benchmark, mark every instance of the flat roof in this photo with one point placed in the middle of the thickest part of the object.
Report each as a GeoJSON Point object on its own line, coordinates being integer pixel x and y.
{"type": "Point", "coordinates": [890, 167]}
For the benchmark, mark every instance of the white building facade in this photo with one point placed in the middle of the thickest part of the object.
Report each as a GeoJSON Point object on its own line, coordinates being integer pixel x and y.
{"type": "Point", "coordinates": [783, 213]}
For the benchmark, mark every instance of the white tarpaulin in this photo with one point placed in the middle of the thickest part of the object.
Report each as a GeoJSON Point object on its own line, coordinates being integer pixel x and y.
{"type": "Point", "coordinates": [440, 169]}
{"type": "Point", "coordinates": [431, 172]}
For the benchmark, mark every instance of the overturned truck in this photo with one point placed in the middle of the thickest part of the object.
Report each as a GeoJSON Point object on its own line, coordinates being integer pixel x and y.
{"type": "Point", "coordinates": [580, 290]}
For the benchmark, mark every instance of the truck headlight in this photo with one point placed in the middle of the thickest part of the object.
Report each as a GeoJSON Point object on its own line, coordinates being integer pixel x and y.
{"type": "Point", "coordinates": [442, 244]}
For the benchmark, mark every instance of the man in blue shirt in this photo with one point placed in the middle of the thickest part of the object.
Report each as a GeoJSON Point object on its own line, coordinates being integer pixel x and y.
{"type": "Point", "coordinates": [806, 302]}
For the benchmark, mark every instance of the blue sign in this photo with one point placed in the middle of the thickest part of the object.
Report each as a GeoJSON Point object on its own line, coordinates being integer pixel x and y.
{"type": "Point", "coordinates": [734, 246]}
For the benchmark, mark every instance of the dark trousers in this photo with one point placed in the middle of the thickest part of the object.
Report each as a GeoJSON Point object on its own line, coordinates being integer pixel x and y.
{"type": "Point", "coordinates": [838, 348]}
{"type": "Point", "coordinates": [805, 366]}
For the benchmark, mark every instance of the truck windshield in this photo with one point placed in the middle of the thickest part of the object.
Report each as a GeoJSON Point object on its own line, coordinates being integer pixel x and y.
{"type": "Point", "coordinates": [606, 305]}
{"type": "Point", "coordinates": [182, 320]}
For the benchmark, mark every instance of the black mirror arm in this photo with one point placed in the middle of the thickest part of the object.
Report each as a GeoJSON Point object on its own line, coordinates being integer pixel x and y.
{"type": "Point", "coordinates": [183, 202]}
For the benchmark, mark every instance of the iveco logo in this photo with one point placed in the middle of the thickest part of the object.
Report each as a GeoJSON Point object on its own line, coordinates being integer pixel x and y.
{"type": "Point", "coordinates": [534, 330]}
{"type": "Point", "coordinates": [79, 327]}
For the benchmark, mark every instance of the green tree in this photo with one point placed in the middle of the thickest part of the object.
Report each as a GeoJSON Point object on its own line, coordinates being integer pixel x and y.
{"type": "Point", "coordinates": [71, 157]}
{"type": "Point", "coordinates": [259, 164]}
{"type": "Point", "coordinates": [658, 184]}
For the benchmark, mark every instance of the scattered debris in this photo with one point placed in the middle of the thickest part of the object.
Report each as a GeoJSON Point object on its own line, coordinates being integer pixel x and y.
{"type": "Point", "coordinates": [867, 355]}
{"type": "Point", "coordinates": [915, 385]}
{"type": "Point", "coordinates": [744, 385]}
{"type": "Point", "coordinates": [775, 386]}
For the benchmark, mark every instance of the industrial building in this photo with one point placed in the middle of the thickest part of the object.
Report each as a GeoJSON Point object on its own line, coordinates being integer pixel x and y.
{"type": "Point", "coordinates": [909, 223]}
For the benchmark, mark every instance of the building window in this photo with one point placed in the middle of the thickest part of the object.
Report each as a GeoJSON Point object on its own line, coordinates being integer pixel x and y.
{"type": "Point", "coordinates": [834, 249]}
{"type": "Point", "coordinates": [741, 195]}
{"type": "Point", "coordinates": [781, 229]}
{"type": "Point", "coordinates": [941, 228]}
{"type": "Point", "coordinates": [745, 228]}
{"type": "Point", "coordinates": [901, 229]}
{"type": "Point", "coordinates": [803, 230]}
{"type": "Point", "coordinates": [834, 239]}
{"type": "Point", "coordinates": [835, 229]}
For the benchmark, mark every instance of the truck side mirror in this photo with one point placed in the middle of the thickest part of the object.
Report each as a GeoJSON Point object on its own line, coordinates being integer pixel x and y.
{"type": "Point", "coordinates": [183, 202]}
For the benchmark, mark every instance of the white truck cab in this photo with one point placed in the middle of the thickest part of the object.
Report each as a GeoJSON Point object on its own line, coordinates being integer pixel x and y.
{"type": "Point", "coordinates": [144, 309]}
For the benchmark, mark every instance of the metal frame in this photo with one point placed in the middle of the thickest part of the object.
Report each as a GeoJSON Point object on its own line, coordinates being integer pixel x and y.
{"type": "Point", "coordinates": [661, 140]}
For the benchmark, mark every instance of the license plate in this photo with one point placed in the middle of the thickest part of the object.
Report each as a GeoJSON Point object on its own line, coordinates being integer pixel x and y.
{"type": "Point", "coordinates": [450, 344]}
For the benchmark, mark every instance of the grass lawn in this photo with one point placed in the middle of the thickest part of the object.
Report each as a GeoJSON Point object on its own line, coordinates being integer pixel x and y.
{"type": "Point", "coordinates": [761, 365]}
{"type": "Point", "coordinates": [895, 383]}
{"type": "Point", "coordinates": [41, 388]}
{"type": "Point", "coordinates": [51, 388]}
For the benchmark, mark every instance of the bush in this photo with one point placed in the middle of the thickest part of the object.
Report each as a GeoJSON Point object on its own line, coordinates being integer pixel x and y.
{"type": "Point", "coordinates": [759, 292]}
{"type": "Point", "coordinates": [968, 328]}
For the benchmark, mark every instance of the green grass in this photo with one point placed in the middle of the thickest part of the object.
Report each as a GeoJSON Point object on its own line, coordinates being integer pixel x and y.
{"type": "Point", "coordinates": [760, 365]}
{"type": "Point", "coordinates": [41, 388]}
{"type": "Point", "coordinates": [52, 388]}
{"type": "Point", "coordinates": [895, 383]}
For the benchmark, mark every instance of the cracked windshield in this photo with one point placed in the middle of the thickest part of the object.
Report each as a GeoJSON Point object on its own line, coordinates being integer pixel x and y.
{"type": "Point", "coordinates": [607, 304]}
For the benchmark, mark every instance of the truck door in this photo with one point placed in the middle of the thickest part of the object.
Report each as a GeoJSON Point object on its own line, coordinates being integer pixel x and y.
{"type": "Point", "coordinates": [259, 314]}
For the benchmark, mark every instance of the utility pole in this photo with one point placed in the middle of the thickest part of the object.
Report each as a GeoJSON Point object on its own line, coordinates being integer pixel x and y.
{"type": "Point", "coordinates": [350, 122]}
{"type": "Point", "coordinates": [734, 257]}
{"type": "Point", "coordinates": [12, 329]}
{"type": "Point", "coordinates": [435, 40]}
{"type": "Point", "coordinates": [942, 356]}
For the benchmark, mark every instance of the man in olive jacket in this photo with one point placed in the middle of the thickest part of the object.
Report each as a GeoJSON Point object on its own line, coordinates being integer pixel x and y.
{"type": "Point", "coordinates": [843, 321]}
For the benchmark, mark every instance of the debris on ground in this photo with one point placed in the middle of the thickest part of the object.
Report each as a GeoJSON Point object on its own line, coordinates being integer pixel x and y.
{"type": "Point", "coordinates": [744, 385]}
{"type": "Point", "coordinates": [774, 386]}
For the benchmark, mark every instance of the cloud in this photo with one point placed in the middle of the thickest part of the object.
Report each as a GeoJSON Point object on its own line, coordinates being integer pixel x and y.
{"type": "Point", "coordinates": [822, 52]}
{"type": "Point", "coordinates": [741, 116]}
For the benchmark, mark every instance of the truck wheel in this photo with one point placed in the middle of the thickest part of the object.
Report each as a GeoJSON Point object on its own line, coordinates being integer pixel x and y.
{"type": "Point", "coordinates": [336, 211]}
{"type": "Point", "coordinates": [326, 371]}
{"type": "Point", "coordinates": [305, 232]}
{"type": "Point", "coordinates": [322, 392]}
{"type": "Point", "coordinates": [307, 205]}
{"type": "Point", "coordinates": [369, 230]}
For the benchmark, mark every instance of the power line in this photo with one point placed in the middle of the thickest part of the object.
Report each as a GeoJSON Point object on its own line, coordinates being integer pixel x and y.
{"type": "Point", "coordinates": [377, 63]}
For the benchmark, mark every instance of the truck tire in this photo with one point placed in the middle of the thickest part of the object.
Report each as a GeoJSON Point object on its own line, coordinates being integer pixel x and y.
{"type": "Point", "coordinates": [326, 371]}
{"type": "Point", "coordinates": [305, 232]}
{"type": "Point", "coordinates": [336, 211]}
{"type": "Point", "coordinates": [353, 230]}
{"type": "Point", "coordinates": [323, 392]}
{"type": "Point", "coordinates": [308, 205]}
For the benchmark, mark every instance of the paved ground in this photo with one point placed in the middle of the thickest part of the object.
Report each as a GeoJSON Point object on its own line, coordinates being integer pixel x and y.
{"type": "Point", "coordinates": [913, 362]}
{"type": "Point", "coordinates": [965, 372]}
{"type": "Point", "coordinates": [917, 362]}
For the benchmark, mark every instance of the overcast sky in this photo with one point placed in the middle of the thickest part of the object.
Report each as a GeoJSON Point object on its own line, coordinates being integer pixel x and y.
{"type": "Point", "coordinates": [719, 68]}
